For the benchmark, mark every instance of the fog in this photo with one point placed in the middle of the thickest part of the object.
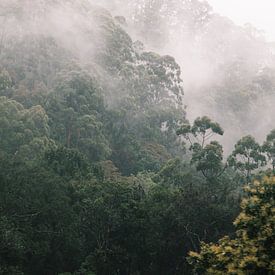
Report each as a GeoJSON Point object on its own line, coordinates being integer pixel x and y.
{"type": "Point", "coordinates": [260, 13]}
{"type": "Point", "coordinates": [113, 157]}
{"type": "Point", "coordinates": [222, 63]}
{"type": "Point", "coordinates": [227, 70]}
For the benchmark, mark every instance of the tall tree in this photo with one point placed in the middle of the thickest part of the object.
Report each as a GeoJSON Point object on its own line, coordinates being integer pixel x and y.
{"type": "Point", "coordinates": [207, 156]}
{"type": "Point", "coordinates": [202, 130]}
{"type": "Point", "coordinates": [208, 160]}
{"type": "Point", "coordinates": [247, 156]}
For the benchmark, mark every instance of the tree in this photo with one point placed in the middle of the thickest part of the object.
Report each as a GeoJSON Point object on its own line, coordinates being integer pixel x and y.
{"type": "Point", "coordinates": [247, 156]}
{"type": "Point", "coordinates": [111, 217]}
{"type": "Point", "coordinates": [252, 251]}
{"type": "Point", "coordinates": [67, 163]}
{"type": "Point", "coordinates": [75, 110]}
{"type": "Point", "coordinates": [207, 157]}
{"type": "Point", "coordinates": [202, 130]}
{"type": "Point", "coordinates": [269, 148]}
{"type": "Point", "coordinates": [37, 206]}
{"type": "Point", "coordinates": [209, 160]}
{"type": "Point", "coordinates": [24, 133]}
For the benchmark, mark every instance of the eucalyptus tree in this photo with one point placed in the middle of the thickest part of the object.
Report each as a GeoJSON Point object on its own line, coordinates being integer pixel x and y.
{"type": "Point", "coordinates": [208, 160]}
{"type": "Point", "coordinates": [202, 130]}
{"type": "Point", "coordinates": [247, 156]}
{"type": "Point", "coordinates": [207, 156]}
{"type": "Point", "coordinates": [269, 148]}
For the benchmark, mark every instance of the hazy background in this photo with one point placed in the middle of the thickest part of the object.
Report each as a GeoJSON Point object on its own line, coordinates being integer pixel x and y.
{"type": "Point", "coordinates": [226, 55]}
{"type": "Point", "coordinates": [227, 64]}
{"type": "Point", "coordinates": [260, 13]}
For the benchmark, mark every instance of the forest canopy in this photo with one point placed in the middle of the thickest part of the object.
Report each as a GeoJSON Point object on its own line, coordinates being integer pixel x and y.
{"type": "Point", "coordinates": [121, 156]}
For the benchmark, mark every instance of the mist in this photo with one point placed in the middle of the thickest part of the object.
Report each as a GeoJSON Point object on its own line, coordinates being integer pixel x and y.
{"type": "Point", "coordinates": [217, 57]}
{"type": "Point", "coordinates": [128, 131]}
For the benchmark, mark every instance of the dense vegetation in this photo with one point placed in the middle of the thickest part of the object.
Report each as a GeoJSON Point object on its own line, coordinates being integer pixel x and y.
{"type": "Point", "coordinates": [100, 170]}
{"type": "Point", "coordinates": [252, 251]}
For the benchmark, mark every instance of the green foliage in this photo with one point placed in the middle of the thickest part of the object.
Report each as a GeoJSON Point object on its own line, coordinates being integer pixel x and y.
{"type": "Point", "coordinates": [172, 173]}
{"type": "Point", "coordinates": [143, 141]}
{"type": "Point", "coordinates": [94, 178]}
{"type": "Point", "coordinates": [269, 148]}
{"type": "Point", "coordinates": [67, 163]}
{"type": "Point", "coordinates": [24, 133]}
{"type": "Point", "coordinates": [247, 156]}
{"type": "Point", "coordinates": [207, 157]}
{"type": "Point", "coordinates": [134, 224]}
{"type": "Point", "coordinates": [201, 125]}
{"type": "Point", "coordinates": [75, 110]}
{"type": "Point", "coordinates": [12, 247]}
{"type": "Point", "coordinates": [252, 251]}
{"type": "Point", "coordinates": [202, 130]}
{"type": "Point", "coordinates": [36, 206]}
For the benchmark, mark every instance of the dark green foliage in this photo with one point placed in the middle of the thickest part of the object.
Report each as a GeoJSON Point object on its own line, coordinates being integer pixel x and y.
{"type": "Point", "coordinates": [202, 130]}
{"type": "Point", "coordinates": [75, 110]}
{"type": "Point", "coordinates": [68, 163]}
{"type": "Point", "coordinates": [252, 249]}
{"type": "Point", "coordinates": [35, 210]}
{"type": "Point", "coordinates": [209, 159]}
{"type": "Point", "coordinates": [128, 225]}
{"type": "Point", "coordinates": [24, 133]}
{"type": "Point", "coordinates": [206, 156]}
{"type": "Point", "coordinates": [143, 141]}
{"type": "Point", "coordinates": [94, 176]}
{"type": "Point", "coordinates": [201, 125]}
{"type": "Point", "coordinates": [247, 156]}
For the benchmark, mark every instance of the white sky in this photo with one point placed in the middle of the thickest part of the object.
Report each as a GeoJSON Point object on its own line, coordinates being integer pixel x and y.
{"type": "Point", "coordinates": [260, 13]}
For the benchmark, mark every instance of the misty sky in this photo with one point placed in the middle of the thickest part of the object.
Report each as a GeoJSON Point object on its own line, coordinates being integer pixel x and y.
{"type": "Point", "coordinates": [259, 13]}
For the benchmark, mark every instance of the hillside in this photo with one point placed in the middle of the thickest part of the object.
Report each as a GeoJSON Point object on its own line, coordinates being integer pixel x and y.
{"type": "Point", "coordinates": [101, 172]}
